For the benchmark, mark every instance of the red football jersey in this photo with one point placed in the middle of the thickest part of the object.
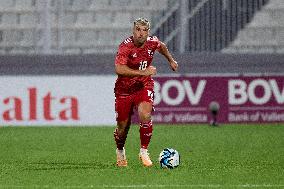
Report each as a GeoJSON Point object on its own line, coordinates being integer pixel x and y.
{"type": "Point", "coordinates": [138, 59]}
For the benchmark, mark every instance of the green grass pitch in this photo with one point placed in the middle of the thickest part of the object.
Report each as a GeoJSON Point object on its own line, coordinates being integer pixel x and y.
{"type": "Point", "coordinates": [229, 156]}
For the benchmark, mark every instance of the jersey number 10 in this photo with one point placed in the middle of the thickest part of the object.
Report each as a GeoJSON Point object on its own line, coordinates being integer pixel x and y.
{"type": "Point", "coordinates": [143, 65]}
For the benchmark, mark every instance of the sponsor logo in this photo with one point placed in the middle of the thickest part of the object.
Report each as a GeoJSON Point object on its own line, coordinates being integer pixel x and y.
{"type": "Point", "coordinates": [258, 91]}
{"type": "Point", "coordinates": [151, 53]}
{"type": "Point", "coordinates": [33, 107]}
{"type": "Point", "coordinates": [184, 90]}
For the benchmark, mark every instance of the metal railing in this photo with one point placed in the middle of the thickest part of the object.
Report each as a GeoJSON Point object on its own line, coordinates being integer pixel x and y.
{"type": "Point", "coordinates": [205, 25]}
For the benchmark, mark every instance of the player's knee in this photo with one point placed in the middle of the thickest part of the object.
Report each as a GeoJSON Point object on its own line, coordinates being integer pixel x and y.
{"type": "Point", "coordinates": [121, 125]}
{"type": "Point", "coordinates": [145, 116]}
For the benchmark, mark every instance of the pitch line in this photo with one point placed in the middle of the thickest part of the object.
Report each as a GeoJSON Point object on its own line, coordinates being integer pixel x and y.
{"type": "Point", "coordinates": [196, 186]}
{"type": "Point", "coordinates": [152, 186]}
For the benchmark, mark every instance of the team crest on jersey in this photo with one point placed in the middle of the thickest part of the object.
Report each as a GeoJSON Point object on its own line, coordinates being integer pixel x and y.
{"type": "Point", "coordinates": [152, 38]}
{"type": "Point", "coordinates": [151, 53]}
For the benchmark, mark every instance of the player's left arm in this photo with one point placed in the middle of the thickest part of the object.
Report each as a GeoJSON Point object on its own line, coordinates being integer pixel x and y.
{"type": "Point", "coordinates": [164, 51]}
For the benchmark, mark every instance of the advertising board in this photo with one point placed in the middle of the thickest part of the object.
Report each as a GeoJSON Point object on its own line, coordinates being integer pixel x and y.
{"type": "Point", "coordinates": [89, 100]}
{"type": "Point", "coordinates": [241, 99]}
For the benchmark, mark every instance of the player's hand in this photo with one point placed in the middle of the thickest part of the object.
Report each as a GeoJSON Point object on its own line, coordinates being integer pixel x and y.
{"type": "Point", "coordinates": [151, 70]}
{"type": "Point", "coordinates": [174, 65]}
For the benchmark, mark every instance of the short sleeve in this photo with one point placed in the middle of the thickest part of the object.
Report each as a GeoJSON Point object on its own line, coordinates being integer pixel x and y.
{"type": "Point", "coordinates": [157, 41]}
{"type": "Point", "coordinates": [122, 55]}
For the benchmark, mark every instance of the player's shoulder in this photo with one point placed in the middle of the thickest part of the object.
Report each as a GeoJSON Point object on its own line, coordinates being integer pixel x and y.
{"type": "Point", "coordinates": [153, 42]}
{"type": "Point", "coordinates": [126, 45]}
{"type": "Point", "coordinates": [127, 42]}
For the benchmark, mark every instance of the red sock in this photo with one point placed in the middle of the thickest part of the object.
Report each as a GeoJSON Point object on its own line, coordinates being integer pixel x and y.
{"type": "Point", "coordinates": [119, 140]}
{"type": "Point", "coordinates": [145, 133]}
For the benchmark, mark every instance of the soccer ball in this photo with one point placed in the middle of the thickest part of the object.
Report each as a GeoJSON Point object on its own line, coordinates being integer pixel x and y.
{"type": "Point", "coordinates": [169, 158]}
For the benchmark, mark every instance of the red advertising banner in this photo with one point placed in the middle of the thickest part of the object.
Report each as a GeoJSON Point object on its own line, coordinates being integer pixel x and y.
{"type": "Point", "coordinates": [244, 99]}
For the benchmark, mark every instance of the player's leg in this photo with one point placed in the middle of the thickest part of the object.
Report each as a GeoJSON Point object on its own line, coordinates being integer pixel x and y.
{"type": "Point", "coordinates": [145, 108]}
{"type": "Point", "coordinates": [120, 135]}
{"type": "Point", "coordinates": [123, 110]}
{"type": "Point", "coordinates": [146, 126]}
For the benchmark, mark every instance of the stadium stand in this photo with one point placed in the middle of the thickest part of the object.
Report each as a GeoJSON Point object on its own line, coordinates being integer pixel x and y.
{"type": "Point", "coordinates": [77, 26]}
{"type": "Point", "coordinates": [264, 34]}
{"type": "Point", "coordinates": [98, 26]}
{"type": "Point", "coordinates": [208, 25]}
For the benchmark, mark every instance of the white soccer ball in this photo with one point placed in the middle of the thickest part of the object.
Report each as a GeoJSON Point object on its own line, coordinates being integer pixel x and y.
{"type": "Point", "coordinates": [169, 158]}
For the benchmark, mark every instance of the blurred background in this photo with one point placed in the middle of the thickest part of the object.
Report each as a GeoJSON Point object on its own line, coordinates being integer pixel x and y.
{"type": "Point", "coordinates": [207, 37]}
{"type": "Point", "coordinates": [98, 26]}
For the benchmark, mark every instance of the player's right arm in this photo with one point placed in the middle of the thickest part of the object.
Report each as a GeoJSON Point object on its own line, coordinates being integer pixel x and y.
{"type": "Point", "coordinates": [122, 69]}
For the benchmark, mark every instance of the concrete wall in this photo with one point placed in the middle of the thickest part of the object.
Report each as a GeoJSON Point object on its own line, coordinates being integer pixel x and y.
{"type": "Point", "coordinates": [104, 64]}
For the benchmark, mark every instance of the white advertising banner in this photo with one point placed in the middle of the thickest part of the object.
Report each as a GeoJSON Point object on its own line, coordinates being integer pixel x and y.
{"type": "Point", "coordinates": [57, 100]}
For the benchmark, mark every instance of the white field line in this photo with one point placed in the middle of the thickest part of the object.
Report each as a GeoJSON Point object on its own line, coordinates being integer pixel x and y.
{"type": "Point", "coordinates": [151, 186]}
{"type": "Point", "coordinates": [197, 186]}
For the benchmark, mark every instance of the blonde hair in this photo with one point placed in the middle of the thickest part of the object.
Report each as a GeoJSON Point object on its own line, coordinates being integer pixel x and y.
{"type": "Point", "coordinates": [143, 22]}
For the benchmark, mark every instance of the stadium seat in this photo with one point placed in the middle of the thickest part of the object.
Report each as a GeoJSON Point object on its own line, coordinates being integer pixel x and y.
{"type": "Point", "coordinates": [230, 50]}
{"type": "Point", "coordinates": [256, 36]}
{"type": "Point", "coordinates": [121, 35]}
{"type": "Point", "coordinates": [87, 38]}
{"type": "Point", "coordinates": [18, 51]}
{"type": "Point", "coordinates": [99, 4]}
{"type": "Point", "coordinates": [80, 4]}
{"type": "Point", "coordinates": [275, 4]}
{"type": "Point", "coordinates": [2, 50]}
{"type": "Point", "coordinates": [67, 4]}
{"type": "Point", "coordinates": [72, 51]}
{"type": "Point", "coordinates": [68, 19]}
{"type": "Point", "coordinates": [278, 16]}
{"type": "Point", "coordinates": [29, 19]}
{"type": "Point", "coordinates": [263, 19]}
{"type": "Point", "coordinates": [120, 3]}
{"type": "Point", "coordinates": [68, 37]}
{"type": "Point", "coordinates": [8, 19]}
{"type": "Point", "coordinates": [103, 19]}
{"type": "Point", "coordinates": [105, 37]}
{"type": "Point", "coordinates": [12, 37]}
{"type": "Point", "coordinates": [140, 3]}
{"type": "Point", "coordinates": [100, 50]}
{"type": "Point", "coordinates": [25, 4]}
{"type": "Point", "coordinates": [280, 49]}
{"type": "Point", "coordinates": [86, 24]}
{"type": "Point", "coordinates": [4, 4]}
{"type": "Point", "coordinates": [280, 36]}
{"type": "Point", "coordinates": [264, 34]}
{"type": "Point", "coordinates": [159, 4]}
{"type": "Point", "coordinates": [28, 39]}
{"type": "Point", "coordinates": [85, 18]}
{"type": "Point", "coordinates": [143, 13]}
{"type": "Point", "coordinates": [123, 19]}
